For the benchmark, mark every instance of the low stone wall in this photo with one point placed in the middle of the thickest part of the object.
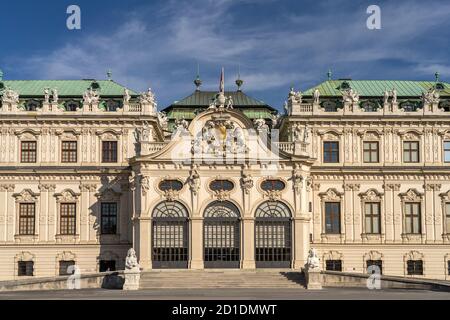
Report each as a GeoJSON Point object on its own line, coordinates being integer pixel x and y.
{"type": "Point", "coordinates": [106, 280]}
{"type": "Point", "coordinates": [343, 279]}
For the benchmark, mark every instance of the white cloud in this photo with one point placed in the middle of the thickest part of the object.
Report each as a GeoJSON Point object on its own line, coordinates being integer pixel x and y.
{"type": "Point", "coordinates": [160, 47]}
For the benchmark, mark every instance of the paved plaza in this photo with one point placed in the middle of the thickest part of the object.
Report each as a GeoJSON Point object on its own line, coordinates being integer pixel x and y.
{"type": "Point", "coordinates": [228, 294]}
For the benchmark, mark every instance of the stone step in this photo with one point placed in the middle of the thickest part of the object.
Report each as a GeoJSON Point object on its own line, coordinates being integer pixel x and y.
{"type": "Point", "coordinates": [271, 279]}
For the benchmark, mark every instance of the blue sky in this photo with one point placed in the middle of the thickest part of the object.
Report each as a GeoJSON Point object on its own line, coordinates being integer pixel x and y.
{"type": "Point", "coordinates": [277, 44]}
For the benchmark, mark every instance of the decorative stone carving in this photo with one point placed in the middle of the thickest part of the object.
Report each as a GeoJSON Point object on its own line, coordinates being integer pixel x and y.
{"type": "Point", "coordinates": [67, 196]}
{"type": "Point", "coordinates": [162, 119]}
{"type": "Point", "coordinates": [126, 96]}
{"type": "Point", "coordinates": [316, 96]}
{"type": "Point", "coordinates": [247, 183]}
{"type": "Point", "coordinates": [145, 184]}
{"type": "Point", "coordinates": [411, 195]}
{"type": "Point", "coordinates": [194, 182]}
{"type": "Point", "coordinates": [313, 261]}
{"type": "Point", "coordinates": [331, 195]}
{"type": "Point", "coordinates": [297, 180]}
{"type": "Point", "coordinates": [181, 125]}
{"type": "Point", "coordinates": [371, 195]}
{"type": "Point", "coordinates": [431, 96]}
{"type": "Point", "coordinates": [148, 97]}
{"type": "Point", "coordinates": [295, 97]}
{"type": "Point", "coordinates": [26, 196]}
{"type": "Point", "coordinates": [55, 97]}
{"type": "Point", "coordinates": [91, 97]}
{"type": "Point", "coordinates": [260, 125]}
{"type": "Point", "coordinates": [7, 187]}
{"type": "Point", "coordinates": [131, 261]}
{"type": "Point", "coordinates": [350, 95]}
{"type": "Point", "coordinates": [108, 195]}
{"type": "Point", "coordinates": [10, 96]}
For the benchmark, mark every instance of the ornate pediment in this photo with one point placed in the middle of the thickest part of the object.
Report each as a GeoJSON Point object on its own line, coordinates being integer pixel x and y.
{"type": "Point", "coordinates": [410, 134]}
{"type": "Point", "coordinates": [411, 195]}
{"type": "Point", "coordinates": [373, 255]}
{"type": "Point", "coordinates": [67, 196]}
{"type": "Point", "coordinates": [108, 195]}
{"type": "Point", "coordinates": [331, 195]}
{"type": "Point", "coordinates": [220, 136]}
{"type": "Point", "coordinates": [25, 256]}
{"type": "Point", "coordinates": [371, 195]}
{"type": "Point", "coordinates": [413, 255]}
{"type": "Point", "coordinates": [26, 196]}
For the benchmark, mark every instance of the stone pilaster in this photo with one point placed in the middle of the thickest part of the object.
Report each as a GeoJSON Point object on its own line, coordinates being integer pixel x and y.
{"type": "Point", "coordinates": [248, 245]}
{"type": "Point", "coordinates": [196, 243]}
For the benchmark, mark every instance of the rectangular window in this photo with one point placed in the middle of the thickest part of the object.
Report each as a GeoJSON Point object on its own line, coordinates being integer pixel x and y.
{"type": "Point", "coordinates": [109, 151]}
{"type": "Point", "coordinates": [412, 217]}
{"type": "Point", "coordinates": [28, 151]}
{"type": "Point", "coordinates": [25, 268]}
{"type": "Point", "coordinates": [68, 218]}
{"type": "Point", "coordinates": [448, 267]}
{"type": "Point", "coordinates": [69, 151]}
{"type": "Point", "coordinates": [333, 217]}
{"type": "Point", "coordinates": [66, 267]}
{"type": "Point", "coordinates": [415, 267]}
{"type": "Point", "coordinates": [331, 152]}
{"type": "Point", "coordinates": [370, 150]}
{"type": "Point", "coordinates": [446, 151]}
{"type": "Point", "coordinates": [372, 217]}
{"type": "Point", "coordinates": [109, 218]}
{"type": "Point", "coordinates": [373, 264]}
{"type": "Point", "coordinates": [26, 218]}
{"type": "Point", "coordinates": [333, 265]}
{"type": "Point", "coordinates": [447, 217]}
{"type": "Point", "coordinates": [411, 151]}
{"type": "Point", "coordinates": [107, 265]}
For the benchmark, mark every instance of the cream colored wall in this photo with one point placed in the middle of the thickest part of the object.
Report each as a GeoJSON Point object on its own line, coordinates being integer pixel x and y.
{"type": "Point", "coordinates": [349, 181]}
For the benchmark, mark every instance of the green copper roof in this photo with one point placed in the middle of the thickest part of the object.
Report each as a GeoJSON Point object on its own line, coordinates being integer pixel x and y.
{"type": "Point", "coordinates": [64, 87]}
{"type": "Point", "coordinates": [376, 88]}
{"type": "Point", "coordinates": [204, 98]}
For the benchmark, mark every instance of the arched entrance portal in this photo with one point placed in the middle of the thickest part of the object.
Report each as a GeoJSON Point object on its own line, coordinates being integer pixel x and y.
{"type": "Point", "coordinates": [170, 236]}
{"type": "Point", "coordinates": [273, 234]}
{"type": "Point", "coordinates": [221, 235]}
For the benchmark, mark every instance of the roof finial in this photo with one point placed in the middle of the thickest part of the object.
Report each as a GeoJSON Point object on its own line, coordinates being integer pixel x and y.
{"type": "Point", "coordinates": [239, 81]}
{"type": "Point", "coordinates": [222, 82]}
{"type": "Point", "coordinates": [109, 74]}
{"type": "Point", "coordinates": [198, 81]}
{"type": "Point", "coordinates": [436, 76]}
{"type": "Point", "coordinates": [329, 74]}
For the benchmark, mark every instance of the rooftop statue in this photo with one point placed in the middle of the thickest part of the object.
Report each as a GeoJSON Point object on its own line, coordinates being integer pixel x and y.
{"type": "Point", "coordinates": [10, 96]}
{"type": "Point", "coordinates": [316, 96]}
{"type": "Point", "coordinates": [394, 95]}
{"type": "Point", "coordinates": [148, 97]}
{"type": "Point", "coordinates": [350, 95]}
{"type": "Point", "coordinates": [126, 96]}
{"type": "Point", "coordinates": [431, 96]}
{"type": "Point", "coordinates": [55, 95]}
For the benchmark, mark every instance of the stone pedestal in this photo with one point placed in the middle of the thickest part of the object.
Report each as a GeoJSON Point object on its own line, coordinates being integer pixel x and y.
{"type": "Point", "coordinates": [313, 279]}
{"type": "Point", "coordinates": [132, 279]}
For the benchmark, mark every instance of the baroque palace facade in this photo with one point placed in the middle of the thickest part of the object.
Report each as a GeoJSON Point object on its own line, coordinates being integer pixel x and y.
{"type": "Point", "coordinates": [358, 170]}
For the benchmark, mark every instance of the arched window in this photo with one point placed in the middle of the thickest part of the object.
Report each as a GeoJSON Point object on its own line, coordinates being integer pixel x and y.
{"type": "Point", "coordinates": [71, 106]}
{"type": "Point", "coordinates": [170, 236]}
{"type": "Point", "coordinates": [221, 235]}
{"type": "Point", "coordinates": [32, 105]}
{"type": "Point", "coordinates": [273, 232]}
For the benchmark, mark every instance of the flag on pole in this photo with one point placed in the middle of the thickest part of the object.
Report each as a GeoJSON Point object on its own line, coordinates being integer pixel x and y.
{"type": "Point", "coordinates": [222, 82]}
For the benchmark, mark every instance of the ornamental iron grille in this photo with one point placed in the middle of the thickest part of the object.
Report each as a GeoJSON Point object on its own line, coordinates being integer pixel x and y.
{"type": "Point", "coordinates": [222, 236]}
{"type": "Point", "coordinates": [170, 237]}
{"type": "Point", "coordinates": [273, 235]}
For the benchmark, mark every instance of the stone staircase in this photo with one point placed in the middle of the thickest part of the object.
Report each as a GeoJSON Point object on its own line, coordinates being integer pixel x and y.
{"type": "Point", "coordinates": [222, 278]}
